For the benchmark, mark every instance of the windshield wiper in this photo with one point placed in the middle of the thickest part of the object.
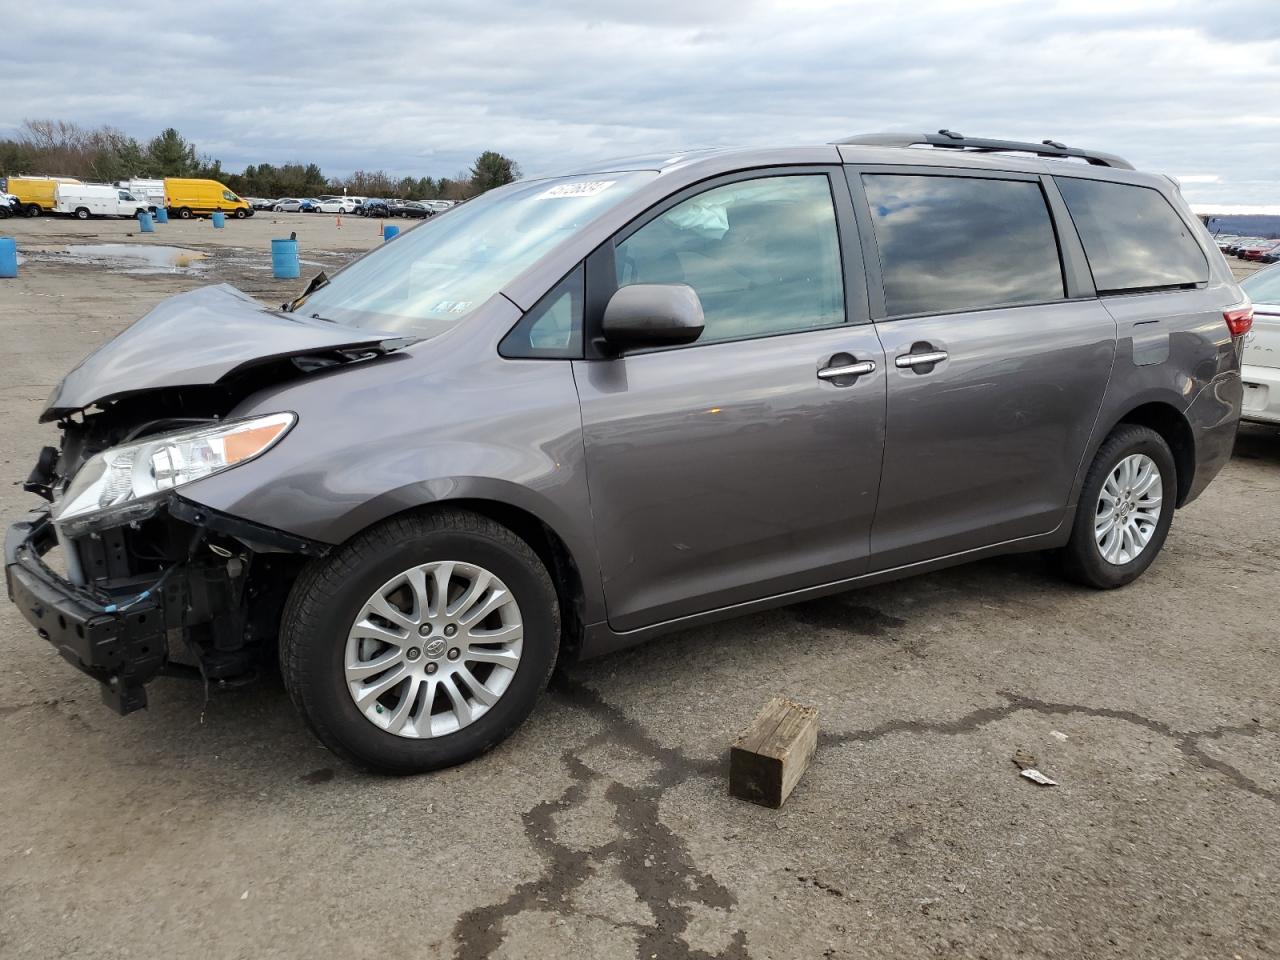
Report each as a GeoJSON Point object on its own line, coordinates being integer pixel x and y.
{"type": "Point", "coordinates": [319, 280]}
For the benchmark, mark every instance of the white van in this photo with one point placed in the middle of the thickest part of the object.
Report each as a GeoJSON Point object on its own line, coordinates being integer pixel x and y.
{"type": "Point", "coordinates": [86, 200]}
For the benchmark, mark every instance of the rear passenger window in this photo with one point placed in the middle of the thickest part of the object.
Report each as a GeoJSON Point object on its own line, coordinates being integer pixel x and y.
{"type": "Point", "coordinates": [1132, 236]}
{"type": "Point", "coordinates": [763, 256]}
{"type": "Point", "coordinates": [962, 243]}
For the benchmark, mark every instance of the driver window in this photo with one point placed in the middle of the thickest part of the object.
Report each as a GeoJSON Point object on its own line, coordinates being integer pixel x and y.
{"type": "Point", "coordinates": [763, 256]}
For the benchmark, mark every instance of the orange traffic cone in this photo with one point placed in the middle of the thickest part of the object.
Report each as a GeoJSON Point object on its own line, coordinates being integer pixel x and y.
{"type": "Point", "coordinates": [339, 219]}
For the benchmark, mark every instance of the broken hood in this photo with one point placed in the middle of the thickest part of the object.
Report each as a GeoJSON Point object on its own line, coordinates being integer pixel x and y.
{"type": "Point", "coordinates": [198, 339]}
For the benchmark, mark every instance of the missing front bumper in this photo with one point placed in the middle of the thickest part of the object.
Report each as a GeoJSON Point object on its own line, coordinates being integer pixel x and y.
{"type": "Point", "coordinates": [218, 599]}
{"type": "Point", "coordinates": [120, 648]}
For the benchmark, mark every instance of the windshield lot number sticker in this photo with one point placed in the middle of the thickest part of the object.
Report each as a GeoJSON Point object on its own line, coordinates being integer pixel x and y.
{"type": "Point", "coordinates": [588, 188]}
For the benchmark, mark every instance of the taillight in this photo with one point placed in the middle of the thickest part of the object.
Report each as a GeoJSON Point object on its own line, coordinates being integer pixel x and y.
{"type": "Point", "coordinates": [1239, 320]}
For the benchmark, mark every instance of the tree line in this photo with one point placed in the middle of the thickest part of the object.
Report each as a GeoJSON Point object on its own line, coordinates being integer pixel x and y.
{"type": "Point", "coordinates": [60, 148]}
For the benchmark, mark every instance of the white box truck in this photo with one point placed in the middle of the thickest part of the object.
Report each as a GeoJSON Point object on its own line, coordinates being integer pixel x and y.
{"type": "Point", "coordinates": [152, 191]}
{"type": "Point", "coordinates": [85, 200]}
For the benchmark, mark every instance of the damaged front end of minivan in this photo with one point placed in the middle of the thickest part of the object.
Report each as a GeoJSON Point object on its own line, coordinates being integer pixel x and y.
{"type": "Point", "coordinates": [126, 577]}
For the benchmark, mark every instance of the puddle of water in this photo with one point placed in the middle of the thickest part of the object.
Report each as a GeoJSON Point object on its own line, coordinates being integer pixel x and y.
{"type": "Point", "coordinates": [132, 257]}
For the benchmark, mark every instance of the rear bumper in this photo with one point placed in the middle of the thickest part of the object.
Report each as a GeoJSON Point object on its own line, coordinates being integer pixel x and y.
{"type": "Point", "coordinates": [1214, 416]}
{"type": "Point", "coordinates": [121, 648]}
{"type": "Point", "coordinates": [1261, 402]}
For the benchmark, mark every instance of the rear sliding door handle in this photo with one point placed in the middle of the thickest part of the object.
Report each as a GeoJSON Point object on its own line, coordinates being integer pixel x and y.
{"type": "Point", "coordinates": [919, 359]}
{"type": "Point", "coordinates": [848, 370]}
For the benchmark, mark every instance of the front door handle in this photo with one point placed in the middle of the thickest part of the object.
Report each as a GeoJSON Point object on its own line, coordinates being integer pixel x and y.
{"type": "Point", "coordinates": [906, 360]}
{"type": "Point", "coordinates": [857, 369]}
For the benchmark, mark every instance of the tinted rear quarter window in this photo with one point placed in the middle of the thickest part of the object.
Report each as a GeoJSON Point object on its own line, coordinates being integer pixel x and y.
{"type": "Point", "coordinates": [1133, 237]}
{"type": "Point", "coordinates": [962, 243]}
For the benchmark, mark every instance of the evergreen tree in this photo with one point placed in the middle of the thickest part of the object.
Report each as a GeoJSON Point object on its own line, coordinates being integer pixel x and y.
{"type": "Point", "coordinates": [492, 169]}
{"type": "Point", "coordinates": [170, 155]}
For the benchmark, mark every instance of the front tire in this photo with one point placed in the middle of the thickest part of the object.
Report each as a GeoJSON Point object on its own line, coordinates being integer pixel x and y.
{"type": "Point", "coordinates": [1125, 509]}
{"type": "Point", "coordinates": [82, 213]}
{"type": "Point", "coordinates": [240, 213]}
{"type": "Point", "coordinates": [420, 643]}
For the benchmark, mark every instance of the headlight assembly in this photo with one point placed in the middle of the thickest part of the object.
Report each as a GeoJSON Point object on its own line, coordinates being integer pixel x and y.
{"type": "Point", "coordinates": [127, 483]}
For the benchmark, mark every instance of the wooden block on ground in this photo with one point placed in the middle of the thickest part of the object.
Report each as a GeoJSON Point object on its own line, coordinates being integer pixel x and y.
{"type": "Point", "coordinates": [773, 753]}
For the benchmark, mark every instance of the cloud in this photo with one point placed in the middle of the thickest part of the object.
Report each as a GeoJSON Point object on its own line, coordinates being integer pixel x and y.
{"type": "Point", "coordinates": [422, 88]}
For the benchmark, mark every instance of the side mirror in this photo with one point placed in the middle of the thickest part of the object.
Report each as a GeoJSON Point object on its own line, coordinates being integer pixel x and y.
{"type": "Point", "coordinates": [653, 315]}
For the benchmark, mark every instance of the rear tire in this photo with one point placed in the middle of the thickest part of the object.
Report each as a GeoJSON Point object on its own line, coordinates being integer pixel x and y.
{"type": "Point", "coordinates": [331, 597]}
{"type": "Point", "coordinates": [1083, 557]}
{"type": "Point", "coordinates": [82, 213]}
{"type": "Point", "coordinates": [184, 213]}
{"type": "Point", "coordinates": [33, 210]}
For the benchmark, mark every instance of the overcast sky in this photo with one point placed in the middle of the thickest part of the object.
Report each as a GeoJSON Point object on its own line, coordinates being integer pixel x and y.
{"type": "Point", "coordinates": [1187, 88]}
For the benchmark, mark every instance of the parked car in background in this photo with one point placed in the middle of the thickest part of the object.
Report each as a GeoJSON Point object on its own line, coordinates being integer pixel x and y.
{"type": "Point", "coordinates": [263, 203]}
{"type": "Point", "coordinates": [977, 350]}
{"type": "Point", "coordinates": [338, 205]}
{"type": "Point", "coordinates": [1261, 371]}
{"type": "Point", "coordinates": [10, 206]}
{"type": "Point", "coordinates": [374, 208]}
{"type": "Point", "coordinates": [287, 205]}
{"type": "Point", "coordinates": [1233, 248]}
{"type": "Point", "coordinates": [414, 208]}
{"type": "Point", "coordinates": [1257, 250]}
{"type": "Point", "coordinates": [310, 205]}
{"type": "Point", "coordinates": [36, 195]}
{"type": "Point", "coordinates": [85, 200]}
{"type": "Point", "coordinates": [187, 197]}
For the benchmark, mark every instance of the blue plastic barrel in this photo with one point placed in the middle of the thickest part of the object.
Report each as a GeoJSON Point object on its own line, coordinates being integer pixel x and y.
{"type": "Point", "coordinates": [284, 259]}
{"type": "Point", "coordinates": [389, 231]}
{"type": "Point", "coordinates": [8, 257]}
{"type": "Point", "coordinates": [162, 215]}
{"type": "Point", "coordinates": [145, 223]}
{"type": "Point", "coordinates": [219, 221]}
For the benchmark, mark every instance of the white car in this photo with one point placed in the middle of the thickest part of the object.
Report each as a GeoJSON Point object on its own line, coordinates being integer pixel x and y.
{"type": "Point", "coordinates": [1261, 370]}
{"type": "Point", "coordinates": [339, 205]}
{"type": "Point", "coordinates": [287, 205]}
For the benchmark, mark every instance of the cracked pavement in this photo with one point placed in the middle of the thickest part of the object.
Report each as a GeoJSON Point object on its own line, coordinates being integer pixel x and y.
{"type": "Point", "coordinates": [603, 828]}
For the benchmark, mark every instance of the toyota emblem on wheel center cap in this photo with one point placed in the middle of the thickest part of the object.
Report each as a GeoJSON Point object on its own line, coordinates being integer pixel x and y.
{"type": "Point", "coordinates": [435, 648]}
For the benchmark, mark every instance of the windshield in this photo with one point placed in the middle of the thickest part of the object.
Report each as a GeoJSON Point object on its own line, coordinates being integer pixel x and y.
{"type": "Point", "coordinates": [428, 279]}
{"type": "Point", "coordinates": [1263, 286]}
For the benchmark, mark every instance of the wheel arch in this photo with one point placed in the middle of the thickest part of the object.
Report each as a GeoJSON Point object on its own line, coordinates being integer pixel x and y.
{"type": "Point", "coordinates": [551, 549]}
{"type": "Point", "coordinates": [1172, 425]}
{"type": "Point", "coordinates": [570, 571]}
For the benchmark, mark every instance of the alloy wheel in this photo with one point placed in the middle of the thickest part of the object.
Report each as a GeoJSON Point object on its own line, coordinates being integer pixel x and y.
{"type": "Point", "coordinates": [433, 649]}
{"type": "Point", "coordinates": [1128, 509]}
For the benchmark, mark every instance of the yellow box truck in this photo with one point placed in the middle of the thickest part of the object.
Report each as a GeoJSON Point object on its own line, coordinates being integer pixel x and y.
{"type": "Point", "coordinates": [37, 195]}
{"type": "Point", "coordinates": [186, 198]}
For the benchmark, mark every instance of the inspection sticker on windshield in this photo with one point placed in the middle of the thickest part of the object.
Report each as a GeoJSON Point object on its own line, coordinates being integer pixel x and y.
{"type": "Point", "coordinates": [588, 188]}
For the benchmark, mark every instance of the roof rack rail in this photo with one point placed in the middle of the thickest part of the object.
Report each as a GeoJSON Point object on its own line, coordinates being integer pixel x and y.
{"type": "Point", "coordinates": [949, 139]}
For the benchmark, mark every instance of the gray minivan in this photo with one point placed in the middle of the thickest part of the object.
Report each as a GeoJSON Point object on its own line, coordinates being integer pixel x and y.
{"type": "Point", "coordinates": [578, 412]}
